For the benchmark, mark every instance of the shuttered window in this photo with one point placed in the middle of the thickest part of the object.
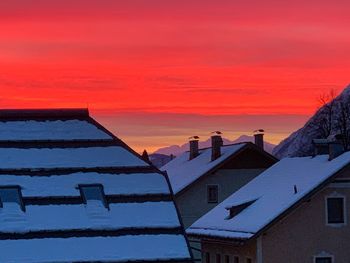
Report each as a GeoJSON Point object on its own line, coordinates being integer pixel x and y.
{"type": "Point", "coordinates": [335, 210]}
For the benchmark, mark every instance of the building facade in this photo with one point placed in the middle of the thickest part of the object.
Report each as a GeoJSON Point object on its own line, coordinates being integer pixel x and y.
{"type": "Point", "coordinates": [202, 182]}
{"type": "Point", "coordinates": [71, 191]}
{"type": "Point", "coordinates": [300, 214]}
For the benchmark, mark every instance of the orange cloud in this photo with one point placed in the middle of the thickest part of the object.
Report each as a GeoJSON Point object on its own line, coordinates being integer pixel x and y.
{"type": "Point", "coordinates": [207, 58]}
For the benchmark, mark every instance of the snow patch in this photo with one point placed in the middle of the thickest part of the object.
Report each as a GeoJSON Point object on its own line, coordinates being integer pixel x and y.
{"type": "Point", "coordinates": [274, 193]}
{"type": "Point", "coordinates": [50, 130]}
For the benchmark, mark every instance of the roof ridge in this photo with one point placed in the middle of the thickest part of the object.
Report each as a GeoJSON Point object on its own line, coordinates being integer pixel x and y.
{"type": "Point", "coordinates": [231, 144]}
{"type": "Point", "coordinates": [45, 113]}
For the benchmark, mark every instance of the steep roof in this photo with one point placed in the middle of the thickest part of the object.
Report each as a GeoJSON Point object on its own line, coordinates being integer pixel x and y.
{"type": "Point", "coordinates": [183, 172]}
{"type": "Point", "coordinates": [48, 124]}
{"type": "Point", "coordinates": [268, 196]}
{"type": "Point", "coordinates": [49, 154]}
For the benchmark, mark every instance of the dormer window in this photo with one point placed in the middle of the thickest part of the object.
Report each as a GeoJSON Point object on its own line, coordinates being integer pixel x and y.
{"type": "Point", "coordinates": [93, 193]}
{"type": "Point", "coordinates": [236, 209]}
{"type": "Point", "coordinates": [11, 195]}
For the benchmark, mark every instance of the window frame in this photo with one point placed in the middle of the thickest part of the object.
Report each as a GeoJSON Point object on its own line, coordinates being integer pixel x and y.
{"type": "Point", "coordinates": [217, 193]}
{"type": "Point", "coordinates": [100, 186]}
{"type": "Point", "coordinates": [323, 256]}
{"type": "Point", "coordinates": [19, 191]}
{"type": "Point", "coordinates": [336, 195]}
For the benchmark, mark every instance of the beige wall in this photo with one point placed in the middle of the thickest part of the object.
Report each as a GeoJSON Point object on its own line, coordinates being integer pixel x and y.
{"type": "Point", "coordinates": [193, 204]}
{"type": "Point", "coordinates": [243, 252]}
{"type": "Point", "coordinates": [302, 234]}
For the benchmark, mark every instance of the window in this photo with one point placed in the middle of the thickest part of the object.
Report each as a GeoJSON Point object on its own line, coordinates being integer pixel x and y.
{"type": "Point", "coordinates": [235, 259]}
{"type": "Point", "coordinates": [227, 259]}
{"type": "Point", "coordinates": [207, 257]}
{"type": "Point", "coordinates": [218, 258]}
{"type": "Point", "coordinates": [249, 260]}
{"type": "Point", "coordinates": [323, 260]}
{"type": "Point", "coordinates": [11, 194]}
{"type": "Point", "coordinates": [212, 193]}
{"type": "Point", "coordinates": [335, 210]}
{"type": "Point", "coordinates": [93, 193]}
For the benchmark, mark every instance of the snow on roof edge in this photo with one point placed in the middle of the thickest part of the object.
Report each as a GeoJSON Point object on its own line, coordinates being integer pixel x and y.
{"type": "Point", "coordinates": [197, 230]}
{"type": "Point", "coordinates": [208, 166]}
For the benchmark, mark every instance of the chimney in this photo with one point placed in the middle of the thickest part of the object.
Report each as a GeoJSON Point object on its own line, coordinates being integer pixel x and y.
{"type": "Point", "coordinates": [194, 147]}
{"type": "Point", "coordinates": [321, 146]}
{"type": "Point", "coordinates": [336, 147]}
{"type": "Point", "coordinates": [216, 143]}
{"type": "Point", "coordinates": [145, 156]}
{"type": "Point", "coordinates": [259, 138]}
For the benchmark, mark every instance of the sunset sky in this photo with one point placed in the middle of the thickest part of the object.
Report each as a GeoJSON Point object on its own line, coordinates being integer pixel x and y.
{"type": "Point", "coordinates": [158, 71]}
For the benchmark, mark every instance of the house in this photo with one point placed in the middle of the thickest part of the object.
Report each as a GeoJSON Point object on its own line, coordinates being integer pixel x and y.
{"type": "Point", "coordinates": [71, 191]}
{"type": "Point", "coordinates": [202, 178]}
{"type": "Point", "coordinates": [295, 211]}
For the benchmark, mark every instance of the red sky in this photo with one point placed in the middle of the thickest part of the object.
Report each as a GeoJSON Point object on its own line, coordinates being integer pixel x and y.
{"type": "Point", "coordinates": [156, 72]}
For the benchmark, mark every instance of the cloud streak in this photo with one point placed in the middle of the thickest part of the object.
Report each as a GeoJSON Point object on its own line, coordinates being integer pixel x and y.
{"type": "Point", "coordinates": [202, 58]}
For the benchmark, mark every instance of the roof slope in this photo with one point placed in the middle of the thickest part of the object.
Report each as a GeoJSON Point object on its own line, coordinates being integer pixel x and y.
{"type": "Point", "coordinates": [271, 194]}
{"type": "Point", "coordinates": [182, 171]}
{"type": "Point", "coordinates": [23, 125]}
{"type": "Point", "coordinates": [48, 154]}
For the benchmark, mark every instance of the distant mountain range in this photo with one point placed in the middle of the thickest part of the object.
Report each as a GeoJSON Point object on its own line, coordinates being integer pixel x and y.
{"type": "Point", "coordinates": [299, 143]}
{"type": "Point", "coordinates": [163, 155]}
{"type": "Point", "coordinates": [179, 149]}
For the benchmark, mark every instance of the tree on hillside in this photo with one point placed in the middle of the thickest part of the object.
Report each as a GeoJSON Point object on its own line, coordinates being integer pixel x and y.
{"type": "Point", "coordinates": [335, 118]}
{"type": "Point", "coordinates": [343, 123]}
{"type": "Point", "coordinates": [326, 101]}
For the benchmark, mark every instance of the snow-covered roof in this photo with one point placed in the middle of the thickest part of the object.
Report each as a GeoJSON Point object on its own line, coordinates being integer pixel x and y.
{"type": "Point", "coordinates": [86, 217]}
{"type": "Point", "coordinates": [50, 130]}
{"type": "Point", "coordinates": [271, 193]}
{"type": "Point", "coordinates": [95, 249]}
{"type": "Point", "coordinates": [66, 184]}
{"type": "Point", "coordinates": [50, 156]}
{"type": "Point", "coordinates": [82, 157]}
{"type": "Point", "coordinates": [50, 124]}
{"type": "Point", "coordinates": [182, 171]}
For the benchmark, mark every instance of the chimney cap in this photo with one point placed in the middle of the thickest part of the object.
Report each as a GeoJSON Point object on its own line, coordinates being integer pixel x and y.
{"type": "Point", "coordinates": [194, 138]}
{"type": "Point", "coordinates": [259, 131]}
{"type": "Point", "coordinates": [214, 133]}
